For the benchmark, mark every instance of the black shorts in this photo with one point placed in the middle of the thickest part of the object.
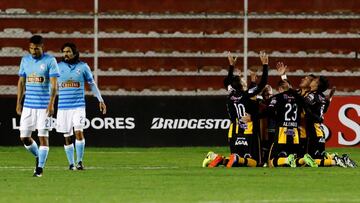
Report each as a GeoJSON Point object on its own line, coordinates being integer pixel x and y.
{"type": "Point", "coordinates": [246, 146]}
{"type": "Point", "coordinates": [316, 142]}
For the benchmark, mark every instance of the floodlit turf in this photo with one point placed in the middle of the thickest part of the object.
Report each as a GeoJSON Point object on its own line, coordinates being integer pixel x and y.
{"type": "Point", "coordinates": [168, 175]}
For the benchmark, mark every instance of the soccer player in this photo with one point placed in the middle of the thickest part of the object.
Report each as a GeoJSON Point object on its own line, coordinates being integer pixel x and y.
{"type": "Point", "coordinates": [286, 107]}
{"type": "Point", "coordinates": [243, 141]}
{"type": "Point", "coordinates": [71, 107]}
{"type": "Point", "coordinates": [303, 90]}
{"type": "Point", "coordinates": [38, 79]}
{"type": "Point", "coordinates": [319, 104]}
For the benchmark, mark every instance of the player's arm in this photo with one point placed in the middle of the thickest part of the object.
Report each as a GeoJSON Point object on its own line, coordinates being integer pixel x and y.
{"type": "Point", "coordinates": [20, 94]}
{"type": "Point", "coordinates": [232, 62]}
{"type": "Point", "coordinates": [53, 91]}
{"type": "Point", "coordinates": [305, 104]}
{"type": "Point", "coordinates": [270, 110]}
{"type": "Point", "coordinates": [256, 90]}
{"type": "Point", "coordinates": [253, 78]}
{"type": "Point", "coordinates": [95, 90]}
{"type": "Point", "coordinates": [329, 98]}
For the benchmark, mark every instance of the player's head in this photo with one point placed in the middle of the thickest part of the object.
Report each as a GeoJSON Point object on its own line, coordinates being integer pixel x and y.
{"type": "Point", "coordinates": [36, 45]}
{"type": "Point", "coordinates": [267, 92]}
{"type": "Point", "coordinates": [237, 83]}
{"type": "Point", "coordinates": [305, 82]}
{"type": "Point", "coordinates": [283, 85]}
{"type": "Point", "coordinates": [320, 84]}
{"type": "Point", "coordinates": [70, 52]}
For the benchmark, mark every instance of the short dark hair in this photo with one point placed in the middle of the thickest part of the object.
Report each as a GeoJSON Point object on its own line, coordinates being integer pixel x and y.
{"type": "Point", "coordinates": [236, 83]}
{"type": "Point", "coordinates": [37, 39]}
{"type": "Point", "coordinates": [323, 84]}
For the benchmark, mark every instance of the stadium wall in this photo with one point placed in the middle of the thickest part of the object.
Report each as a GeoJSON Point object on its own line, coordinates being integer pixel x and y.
{"type": "Point", "coordinates": [149, 121]}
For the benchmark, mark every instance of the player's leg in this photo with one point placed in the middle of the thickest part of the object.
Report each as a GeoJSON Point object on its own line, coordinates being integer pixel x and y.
{"type": "Point", "coordinates": [43, 124]}
{"type": "Point", "coordinates": [27, 125]}
{"type": "Point", "coordinates": [281, 156]}
{"type": "Point", "coordinates": [69, 150]}
{"type": "Point", "coordinates": [64, 126]}
{"type": "Point", "coordinates": [79, 123]}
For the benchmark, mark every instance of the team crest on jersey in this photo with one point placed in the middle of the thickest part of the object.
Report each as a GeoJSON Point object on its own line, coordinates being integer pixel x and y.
{"type": "Point", "coordinates": [78, 71]}
{"type": "Point", "coordinates": [42, 66]}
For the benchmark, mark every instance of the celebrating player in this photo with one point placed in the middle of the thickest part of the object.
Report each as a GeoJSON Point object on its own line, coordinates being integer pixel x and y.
{"type": "Point", "coordinates": [38, 79]}
{"type": "Point", "coordinates": [71, 107]}
{"type": "Point", "coordinates": [243, 141]}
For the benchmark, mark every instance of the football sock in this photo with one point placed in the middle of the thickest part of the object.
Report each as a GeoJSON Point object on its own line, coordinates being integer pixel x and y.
{"type": "Point", "coordinates": [247, 162]}
{"type": "Point", "coordinates": [69, 150]}
{"type": "Point", "coordinates": [80, 147]}
{"type": "Point", "coordinates": [300, 162]}
{"type": "Point", "coordinates": [33, 149]}
{"type": "Point", "coordinates": [281, 161]}
{"type": "Point", "coordinates": [43, 153]}
{"type": "Point", "coordinates": [325, 162]}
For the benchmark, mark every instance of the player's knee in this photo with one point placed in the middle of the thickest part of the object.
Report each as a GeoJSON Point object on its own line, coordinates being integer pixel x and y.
{"type": "Point", "coordinates": [79, 133]}
{"type": "Point", "coordinates": [26, 140]}
{"type": "Point", "coordinates": [68, 140]}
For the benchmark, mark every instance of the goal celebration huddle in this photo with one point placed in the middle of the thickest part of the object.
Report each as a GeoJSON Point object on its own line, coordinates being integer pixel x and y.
{"type": "Point", "coordinates": [284, 129]}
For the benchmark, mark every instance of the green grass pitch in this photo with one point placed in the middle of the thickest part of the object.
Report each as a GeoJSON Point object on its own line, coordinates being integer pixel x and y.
{"type": "Point", "coordinates": [168, 175]}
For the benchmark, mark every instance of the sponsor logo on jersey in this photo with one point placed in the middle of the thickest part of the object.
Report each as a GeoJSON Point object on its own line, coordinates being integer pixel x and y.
{"type": "Point", "coordinates": [34, 78]}
{"type": "Point", "coordinates": [70, 84]}
{"type": "Point", "coordinates": [241, 141]}
{"type": "Point", "coordinates": [163, 123]}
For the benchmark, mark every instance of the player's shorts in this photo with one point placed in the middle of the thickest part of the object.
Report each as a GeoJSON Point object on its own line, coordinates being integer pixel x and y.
{"type": "Point", "coordinates": [67, 119]}
{"type": "Point", "coordinates": [247, 146]}
{"type": "Point", "coordinates": [32, 119]}
{"type": "Point", "coordinates": [316, 136]}
{"type": "Point", "coordinates": [287, 141]}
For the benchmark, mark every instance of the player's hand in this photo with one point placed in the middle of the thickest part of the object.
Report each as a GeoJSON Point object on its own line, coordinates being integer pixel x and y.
{"type": "Point", "coordinates": [281, 68]}
{"type": "Point", "coordinates": [232, 59]}
{"type": "Point", "coordinates": [331, 94]}
{"type": "Point", "coordinates": [18, 109]}
{"type": "Point", "coordinates": [246, 118]}
{"type": "Point", "coordinates": [264, 58]}
{"type": "Point", "coordinates": [50, 110]}
{"type": "Point", "coordinates": [102, 107]}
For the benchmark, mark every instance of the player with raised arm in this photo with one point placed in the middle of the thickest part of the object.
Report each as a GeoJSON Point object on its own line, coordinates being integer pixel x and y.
{"type": "Point", "coordinates": [38, 79]}
{"type": "Point", "coordinates": [71, 107]}
{"type": "Point", "coordinates": [244, 144]}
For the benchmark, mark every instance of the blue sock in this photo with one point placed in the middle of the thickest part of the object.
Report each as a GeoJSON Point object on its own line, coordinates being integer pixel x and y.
{"type": "Point", "coordinates": [80, 147]}
{"type": "Point", "coordinates": [43, 153]}
{"type": "Point", "coordinates": [69, 150]}
{"type": "Point", "coordinates": [33, 149]}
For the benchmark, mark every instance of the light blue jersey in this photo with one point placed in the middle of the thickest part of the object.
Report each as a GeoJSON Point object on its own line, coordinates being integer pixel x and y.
{"type": "Point", "coordinates": [37, 73]}
{"type": "Point", "coordinates": [72, 84]}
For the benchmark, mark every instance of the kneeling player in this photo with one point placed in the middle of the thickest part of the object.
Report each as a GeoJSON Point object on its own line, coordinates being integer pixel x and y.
{"type": "Point", "coordinates": [244, 143]}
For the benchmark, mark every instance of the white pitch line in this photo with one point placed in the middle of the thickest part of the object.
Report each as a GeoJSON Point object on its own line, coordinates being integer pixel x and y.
{"type": "Point", "coordinates": [23, 168]}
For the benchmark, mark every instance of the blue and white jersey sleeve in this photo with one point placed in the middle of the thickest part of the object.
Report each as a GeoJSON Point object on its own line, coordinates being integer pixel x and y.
{"type": "Point", "coordinates": [88, 75]}
{"type": "Point", "coordinates": [53, 68]}
{"type": "Point", "coordinates": [22, 68]}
